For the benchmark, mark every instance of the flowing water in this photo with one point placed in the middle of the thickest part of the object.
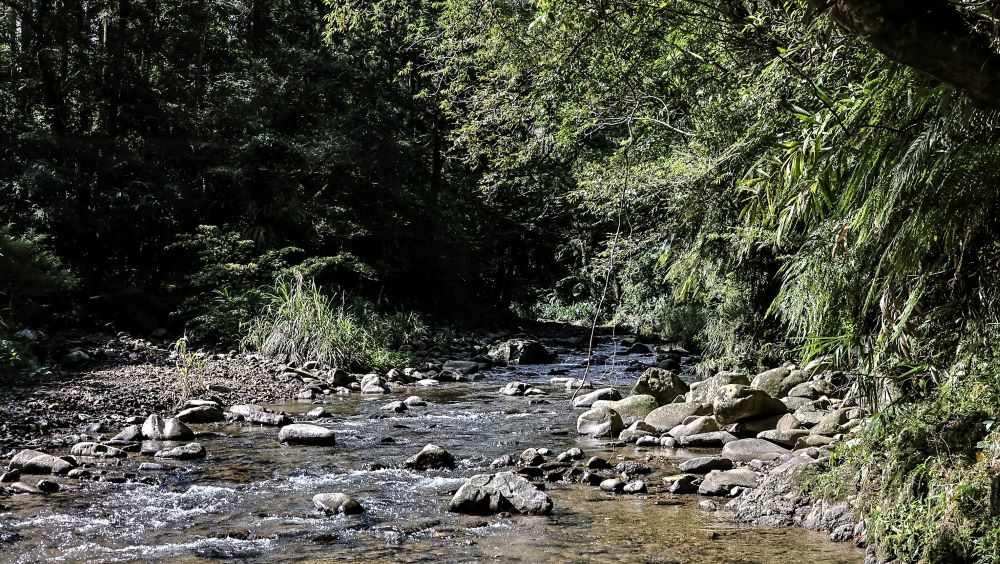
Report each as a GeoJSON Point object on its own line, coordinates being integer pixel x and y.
{"type": "Point", "coordinates": [250, 500]}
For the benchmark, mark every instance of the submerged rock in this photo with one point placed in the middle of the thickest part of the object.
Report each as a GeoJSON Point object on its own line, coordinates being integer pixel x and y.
{"type": "Point", "coordinates": [485, 494]}
{"type": "Point", "coordinates": [336, 503]}
{"type": "Point", "coordinates": [307, 434]}
{"type": "Point", "coordinates": [189, 451]}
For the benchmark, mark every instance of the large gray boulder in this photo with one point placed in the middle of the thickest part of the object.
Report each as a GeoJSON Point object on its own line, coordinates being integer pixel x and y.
{"type": "Point", "coordinates": [705, 464]}
{"type": "Point", "coordinates": [606, 394]}
{"type": "Point", "coordinates": [664, 385]}
{"type": "Point", "coordinates": [713, 439]}
{"type": "Point", "coordinates": [705, 390]}
{"type": "Point", "coordinates": [486, 494]}
{"type": "Point", "coordinates": [735, 403]}
{"type": "Point", "coordinates": [156, 428]}
{"type": "Point", "coordinates": [600, 422]}
{"type": "Point", "coordinates": [307, 434]}
{"type": "Point", "coordinates": [35, 462]}
{"type": "Point", "coordinates": [831, 423]}
{"type": "Point", "coordinates": [779, 381]}
{"type": "Point", "coordinates": [745, 450]}
{"type": "Point", "coordinates": [431, 457]}
{"type": "Point", "coordinates": [694, 426]}
{"type": "Point", "coordinates": [786, 439]}
{"type": "Point", "coordinates": [721, 482]}
{"type": "Point", "coordinates": [632, 408]}
{"type": "Point", "coordinates": [665, 418]}
{"type": "Point", "coordinates": [519, 351]}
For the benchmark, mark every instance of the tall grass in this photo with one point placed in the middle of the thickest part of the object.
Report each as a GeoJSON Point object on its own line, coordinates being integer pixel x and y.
{"type": "Point", "coordinates": [301, 323]}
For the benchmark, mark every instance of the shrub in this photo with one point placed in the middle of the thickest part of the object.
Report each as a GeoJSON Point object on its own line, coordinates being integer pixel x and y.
{"type": "Point", "coordinates": [301, 323]}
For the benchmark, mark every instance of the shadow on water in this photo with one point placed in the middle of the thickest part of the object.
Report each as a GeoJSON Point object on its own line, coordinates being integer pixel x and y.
{"type": "Point", "coordinates": [250, 500]}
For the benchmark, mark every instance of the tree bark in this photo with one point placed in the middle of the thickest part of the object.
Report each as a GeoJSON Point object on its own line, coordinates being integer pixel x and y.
{"type": "Point", "coordinates": [932, 36]}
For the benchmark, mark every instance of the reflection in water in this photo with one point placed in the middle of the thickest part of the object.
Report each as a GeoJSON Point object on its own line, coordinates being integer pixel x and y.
{"type": "Point", "coordinates": [251, 499]}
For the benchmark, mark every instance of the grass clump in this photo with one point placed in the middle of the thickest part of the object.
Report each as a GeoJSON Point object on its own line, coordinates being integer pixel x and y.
{"type": "Point", "coordinates": [301, 323]}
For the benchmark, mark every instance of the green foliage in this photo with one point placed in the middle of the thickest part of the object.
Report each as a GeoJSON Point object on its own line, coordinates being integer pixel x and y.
{"type": "Point", "coordinates": [301, 323]}
{"type": "Point", "coordinates": [191, 370]}
{"type": "Point", "coordinates": [31, 277]}
{"type": "Point", "coordinates": [928, 468]}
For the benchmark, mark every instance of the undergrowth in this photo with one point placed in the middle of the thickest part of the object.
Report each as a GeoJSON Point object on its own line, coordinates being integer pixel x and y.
{"type": "Point", "coordinates": [300, 323]}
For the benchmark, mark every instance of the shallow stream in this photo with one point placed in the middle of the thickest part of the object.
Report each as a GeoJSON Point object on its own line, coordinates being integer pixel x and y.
{"type": "Point", "coordinates": [250, 500]}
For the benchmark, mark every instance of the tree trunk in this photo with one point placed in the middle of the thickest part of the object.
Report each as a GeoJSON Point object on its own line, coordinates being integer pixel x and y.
{"type": "Point", "coordinates": [932, 36]}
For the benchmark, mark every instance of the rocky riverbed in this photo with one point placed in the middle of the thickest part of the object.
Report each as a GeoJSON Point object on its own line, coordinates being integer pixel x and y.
{"type": "Point", "coordinates": [492, 453]}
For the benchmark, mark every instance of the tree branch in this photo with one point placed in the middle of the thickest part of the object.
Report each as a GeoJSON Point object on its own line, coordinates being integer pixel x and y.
{"type": "Point", "coordinates": [932, 36]}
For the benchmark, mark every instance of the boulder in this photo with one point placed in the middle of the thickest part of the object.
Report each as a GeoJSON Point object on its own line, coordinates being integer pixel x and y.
{"type": "Point", "coordinates": [665, 418]}
{"type": "Point", "coordinates": [604, 394]}
{"type": "Point", "coordinates": [600, 422]}
{"type": "Point", "coordinates": [753, 426]}
{"type": "Point", "coordinates": [431, 457]}
{"type": "Point", "coordinates": [632, 408]}
{"type": "Point", "coordinates": [307, 434]}
{"type": "Point", "coordinates": [784, 438]}
{"type": "Point", "coordinates": [520, 351]}
{"type": "Point", "coordinates": [245, 409]}
{"type": "Point", "coordinates": [414, 401]}
{"type": "Point", "coordinates": [331, 503]}
{"type": "Point", "coordinates": [694, 426]}
{"type": "Point", "coordinates": [201, 414]}
{"type": "Point", "coordinates": [612, 485]}
{"type": "Point", "coordinates": [735, 403]}
{"type": "Point", "coordinates": [704, 440]}
{"type": "Point", "coordinates": [318, 413]}
{"type": "Point", "coordinates": [514, 389]}
{"type": "Point", "coordinates": [721, 482]}
{"type": "Point", "coordinates": [705, 464]}
{"type": "Point", "coordinates": [745, 450]}
{"type": "Point", "coordinates": [395, 407]}
{"type": "Point", "coordinates": [779, 381]}
{"type": "Point", "coordinates": [504, 491]}
{"type": "Point", "coordinates": [97, 450]}
{"type": "Point", "coordinates": [35, 462]}
{"type": "Point", "coordinates": [831, 423]}
{"type": "Point", "coordinates": [157, 428]}
{"type": "Point", "coordinates": [682, 483]}
{"type": "Point", "coordinates": [705, 390]}
{"type": "Point", "coordinates": [813, 441]}
{"type": "Point", "coordinates": [663, 385]}
{"type": "Point", "coordinates": [267, 418]}
{"type": "Point", "coordinates": [129, 434]}
{"type": "Point", "coordinates": [189, 451]}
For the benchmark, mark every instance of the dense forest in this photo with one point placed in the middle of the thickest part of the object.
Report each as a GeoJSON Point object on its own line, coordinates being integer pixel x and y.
{"type": "Point", "coordinates": [756, 180]}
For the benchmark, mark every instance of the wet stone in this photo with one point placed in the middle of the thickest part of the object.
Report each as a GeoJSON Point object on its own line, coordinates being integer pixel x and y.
{"type": "Point", "coordinates": [331, 503]}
